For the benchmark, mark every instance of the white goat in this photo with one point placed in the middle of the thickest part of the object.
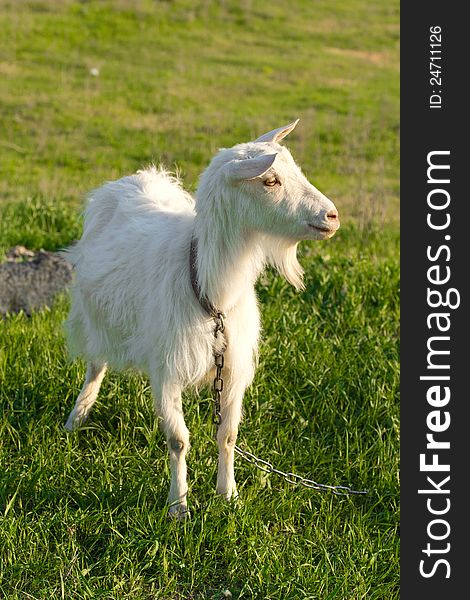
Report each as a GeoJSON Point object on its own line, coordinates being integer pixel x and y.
{"type": "Point", "coordinates": [133, 300]}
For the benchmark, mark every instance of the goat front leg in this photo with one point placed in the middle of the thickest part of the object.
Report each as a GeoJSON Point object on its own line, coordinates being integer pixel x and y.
{"type": "Point", "coordinates": [168, 406]}
{"type": "Point", "coordinates": [231, 409]}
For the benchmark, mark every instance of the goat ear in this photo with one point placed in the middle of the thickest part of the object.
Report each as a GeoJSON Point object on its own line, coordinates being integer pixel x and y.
{"type": "Point", "coordinates": [277, 135]}
{"type": "Point", "coordinates": [250, 168]}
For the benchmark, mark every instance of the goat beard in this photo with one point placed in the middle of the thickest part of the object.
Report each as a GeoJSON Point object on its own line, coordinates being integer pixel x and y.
{"type": "Point", "coordinates": [282, 254]}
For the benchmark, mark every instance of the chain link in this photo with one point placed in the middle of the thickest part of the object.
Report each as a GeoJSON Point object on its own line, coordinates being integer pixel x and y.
{"type": "Point", "coordinates": [267, 467]}
{"type": "Point", "coordinates": [259, 463]}
{"type": "Point", "coordinates": [218, 384]}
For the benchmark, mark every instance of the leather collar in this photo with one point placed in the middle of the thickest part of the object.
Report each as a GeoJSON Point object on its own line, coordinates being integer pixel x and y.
{"type": "Point", "coordinates": [205, 303]}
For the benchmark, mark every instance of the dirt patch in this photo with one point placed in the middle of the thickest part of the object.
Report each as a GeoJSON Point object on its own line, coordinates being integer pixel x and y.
{"type": "Point", "coordinates": [31, 280]}
{"type": "Point", "coordinates": [376, 58]}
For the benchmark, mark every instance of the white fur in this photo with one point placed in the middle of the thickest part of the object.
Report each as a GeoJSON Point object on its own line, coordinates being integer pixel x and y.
{"type": "Point", "coordinates": [133, 304]}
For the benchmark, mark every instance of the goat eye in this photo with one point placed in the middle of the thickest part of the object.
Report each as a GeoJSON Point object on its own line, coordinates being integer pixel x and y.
{"type": "Point", "coordinates": [271, 182]}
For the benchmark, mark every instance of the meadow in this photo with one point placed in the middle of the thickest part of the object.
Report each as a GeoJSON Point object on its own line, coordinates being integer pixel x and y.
{"type": "Point", "coordinates": [90, 91]}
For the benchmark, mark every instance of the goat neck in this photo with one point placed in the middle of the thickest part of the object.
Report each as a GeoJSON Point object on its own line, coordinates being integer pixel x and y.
{"type": "Point", "coordinates": [229, 259]}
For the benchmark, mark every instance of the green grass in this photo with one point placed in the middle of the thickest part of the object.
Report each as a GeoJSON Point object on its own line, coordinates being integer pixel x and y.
{"type": "Point", "coordinates": [83, 516]}
{"type": "Point", "coordinates": [86, 513]}
{"type": "Point", "coordinates": [179, 79]}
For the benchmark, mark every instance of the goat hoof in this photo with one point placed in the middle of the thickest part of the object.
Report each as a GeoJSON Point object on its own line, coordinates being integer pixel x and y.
{"type": "Point", "coordinates": [229, 495]}
{"type": "Point", "coordinates": [75, 421]}
{"type": "Point", "coordinates": [179, 512]}
{"type": "Point", "coordinates": [71, 425]}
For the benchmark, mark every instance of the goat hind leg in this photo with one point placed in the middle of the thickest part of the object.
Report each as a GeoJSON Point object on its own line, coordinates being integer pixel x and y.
{"type": "Point", "coordinates": [87, 396]}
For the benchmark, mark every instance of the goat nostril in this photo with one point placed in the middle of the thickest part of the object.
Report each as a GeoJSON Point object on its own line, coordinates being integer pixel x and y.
{"type": "Point", "coordinates": [332, 215]}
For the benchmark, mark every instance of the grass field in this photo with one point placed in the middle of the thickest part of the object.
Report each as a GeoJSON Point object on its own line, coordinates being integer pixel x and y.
{"type": "Point", "coordinates": [83, 516]}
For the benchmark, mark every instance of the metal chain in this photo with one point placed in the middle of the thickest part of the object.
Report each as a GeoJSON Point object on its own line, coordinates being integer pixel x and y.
{"type": "Point", "coordinates": [267, 467]}
{"type": "Point", "coordinates": [263, 465]}
{"type": "Point", "coordinates": [218, 384]}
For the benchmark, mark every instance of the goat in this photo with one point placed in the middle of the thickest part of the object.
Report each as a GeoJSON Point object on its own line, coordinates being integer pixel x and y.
{"type": "Point", "coordinates": [133, 301]}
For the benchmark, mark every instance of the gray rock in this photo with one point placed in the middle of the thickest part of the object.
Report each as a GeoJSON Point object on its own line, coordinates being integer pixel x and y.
{"type": "Point", "coordinates": [31, 280]}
